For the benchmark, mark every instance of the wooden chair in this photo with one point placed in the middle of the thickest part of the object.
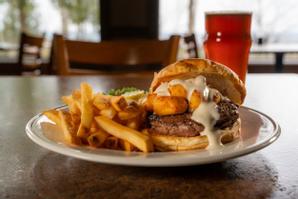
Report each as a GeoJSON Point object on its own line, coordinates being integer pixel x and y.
{"type": "Point", "coordinates": [29, 59]}
{"type": "Point", "coordinates": [192, 47]}
{"type": "Point", "coordinates": [124, 53]}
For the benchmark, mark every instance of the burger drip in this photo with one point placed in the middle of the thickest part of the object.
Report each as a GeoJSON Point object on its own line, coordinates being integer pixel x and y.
{"type": "Point", "coordinates": [206, 113]}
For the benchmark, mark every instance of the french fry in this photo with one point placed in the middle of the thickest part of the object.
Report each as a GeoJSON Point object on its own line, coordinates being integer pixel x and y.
{"type": "Point", "coordinates": [75, 120]}
{"type": "Point", "coordinates": [132, 106]}
{"type": "Point", "coordinates": [145, 131]}
{"type": "Point", "coordinates": [68, 130]}
{"type": "Point", "coordinates": [101, 101]}
{"type": "Point", "coordinates": [86, 110]}
{"type": "Point", "coordinates": [126, 145]}
{"type": "Point", "coordinates": [82, 131]}
{"type": "Point", "coordinates": [133, 124]}
{"type": "Point", "coordinates": [53, 115]}
{"type": "Point", "coordinates": [177, 90]}
{"type": "Point", "coordinates": [123, 115]}
{"type": "Point", "coordinates": [98, 138]}
{"type": "Point", "coordinates": [93, 127]}
{"type": "Point", "coordinates": [141, 141]}
{"type": "Point", "coordinates": [76, 94]}
{"type": "Point", "coordinates": [67, 99]}
{"type": "Point", "coordinates": [86, 90]}
{"type": "Point", "coordinates": [131, 111]}
{"type": "Point", "coordinates": [73, 106]}
{"type": "Point", "coordinates": [100, 120]}
{"type": "Point", "coordinates": [118, 103]}
{"type": "Point", "coordinates": [108, 112]}
{"type": "Point", "coordinates": [77, 107]}
{"type": "Point", "coordinates": [112, 143]}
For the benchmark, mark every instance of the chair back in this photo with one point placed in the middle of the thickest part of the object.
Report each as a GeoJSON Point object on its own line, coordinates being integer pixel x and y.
{"type": "Point", "coordinates": [192, 48]}
{"type": "Point", "coordinates": [113, 53]}
{"type": "Point", "coordinates": [29, 58]}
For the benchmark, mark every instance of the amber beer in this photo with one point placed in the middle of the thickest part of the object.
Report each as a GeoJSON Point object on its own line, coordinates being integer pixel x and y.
{"type": "Point", "coordinates": [228, 39]}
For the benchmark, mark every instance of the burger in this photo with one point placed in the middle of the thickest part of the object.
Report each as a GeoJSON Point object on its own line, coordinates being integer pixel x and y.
{"type": "Point", "coordinates": [194, 105]}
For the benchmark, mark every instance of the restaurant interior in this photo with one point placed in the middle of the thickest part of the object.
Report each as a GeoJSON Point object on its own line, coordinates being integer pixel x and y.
{"type": "Point", "coordinates": [31, 29]}
{"type": "Point", "coordinates": [148, 99]}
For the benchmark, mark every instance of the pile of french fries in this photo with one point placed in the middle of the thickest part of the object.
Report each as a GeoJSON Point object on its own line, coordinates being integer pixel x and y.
{"type": "Point", "coordinates": [102, 121]}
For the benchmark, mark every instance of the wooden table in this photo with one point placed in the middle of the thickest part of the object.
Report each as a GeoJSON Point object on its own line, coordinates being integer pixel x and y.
{"type": "Point", "coordinates": [279, 50]}
{"type": "Point", "coordinates": [29, 171]}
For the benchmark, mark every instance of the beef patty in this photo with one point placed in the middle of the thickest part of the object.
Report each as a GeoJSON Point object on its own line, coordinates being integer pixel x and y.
{"type": "Point", "coordinates": [228, 114]}
{"type": "Point", "coordinates": [177, 125]}
{"type": "Point", "coordinates": [182, 125]}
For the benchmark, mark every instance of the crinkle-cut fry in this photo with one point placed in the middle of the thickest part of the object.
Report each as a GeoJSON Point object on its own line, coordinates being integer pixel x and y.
{"type": "Point", "coordinates": [118, 102]}
{"type": "Point", "coordinates": [53, 115]}
{"type": "Point", "coordinates": [68, 130]}
{"type": "Point", "coordinates": [101, 101]}
{"type": "Point", "coordinates": [139, 140]}
{"type": "Point", "coordinates": [98, 138]}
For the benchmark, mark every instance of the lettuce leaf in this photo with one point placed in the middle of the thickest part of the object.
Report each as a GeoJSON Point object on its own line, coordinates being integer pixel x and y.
{"type": "Point", "coordinates": [121, 91]}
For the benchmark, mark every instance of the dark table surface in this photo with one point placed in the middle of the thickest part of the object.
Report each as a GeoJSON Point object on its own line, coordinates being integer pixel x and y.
{"type": "Point", "coordinates": [29, 171]}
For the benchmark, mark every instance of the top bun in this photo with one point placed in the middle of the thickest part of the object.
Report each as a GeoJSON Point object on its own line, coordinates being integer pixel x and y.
{"type": "Point", "coordinates": [217, 75]}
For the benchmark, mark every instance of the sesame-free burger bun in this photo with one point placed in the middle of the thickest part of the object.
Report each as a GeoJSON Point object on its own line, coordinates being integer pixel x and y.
{"type": "Point", "coordinates": [217, 75]}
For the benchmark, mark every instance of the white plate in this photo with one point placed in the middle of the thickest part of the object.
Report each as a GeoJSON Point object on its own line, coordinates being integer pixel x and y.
{"type": "Point", "coordinates": [258, 131]}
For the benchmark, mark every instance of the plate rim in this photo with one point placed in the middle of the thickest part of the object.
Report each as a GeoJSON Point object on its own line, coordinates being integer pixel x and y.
{"type": "Point", "coordinates": [76, 153]}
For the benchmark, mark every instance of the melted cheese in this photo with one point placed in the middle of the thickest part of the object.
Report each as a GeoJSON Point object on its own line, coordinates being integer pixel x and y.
{"type": "Point", "coordinates": [207, 115]}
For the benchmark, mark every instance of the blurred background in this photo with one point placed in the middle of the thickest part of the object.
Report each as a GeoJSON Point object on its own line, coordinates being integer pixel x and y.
{"type": "Point", "coordinates": [274, 25]}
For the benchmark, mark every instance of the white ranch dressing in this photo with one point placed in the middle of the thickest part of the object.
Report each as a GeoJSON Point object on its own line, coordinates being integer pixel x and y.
{"type": "Point", "coordinates": [162, 90]}
{"type": "Point", "coordinates": [198, 83]}
{"type": "Point", "coordinates": [206, 113]}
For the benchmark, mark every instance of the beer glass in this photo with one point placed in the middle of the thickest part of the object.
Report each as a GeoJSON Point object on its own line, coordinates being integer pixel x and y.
{"type": "Point", "coordinates": [228, 39]}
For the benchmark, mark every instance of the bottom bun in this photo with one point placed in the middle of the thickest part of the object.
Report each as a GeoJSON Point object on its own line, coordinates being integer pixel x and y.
{"type": "Point", "coordinates": [175, 143]}
{"type": "Point", "coordinates": [229, 134]}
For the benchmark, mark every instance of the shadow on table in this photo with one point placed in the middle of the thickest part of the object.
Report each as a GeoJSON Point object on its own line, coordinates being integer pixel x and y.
{"type": "Point", "coordinates": [58, 176]}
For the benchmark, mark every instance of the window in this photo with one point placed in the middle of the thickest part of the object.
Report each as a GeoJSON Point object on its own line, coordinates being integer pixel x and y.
{"type": "Point", "coordinates": [274, 21]}
{"type": "Point", "coordinates": [75, 19]}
